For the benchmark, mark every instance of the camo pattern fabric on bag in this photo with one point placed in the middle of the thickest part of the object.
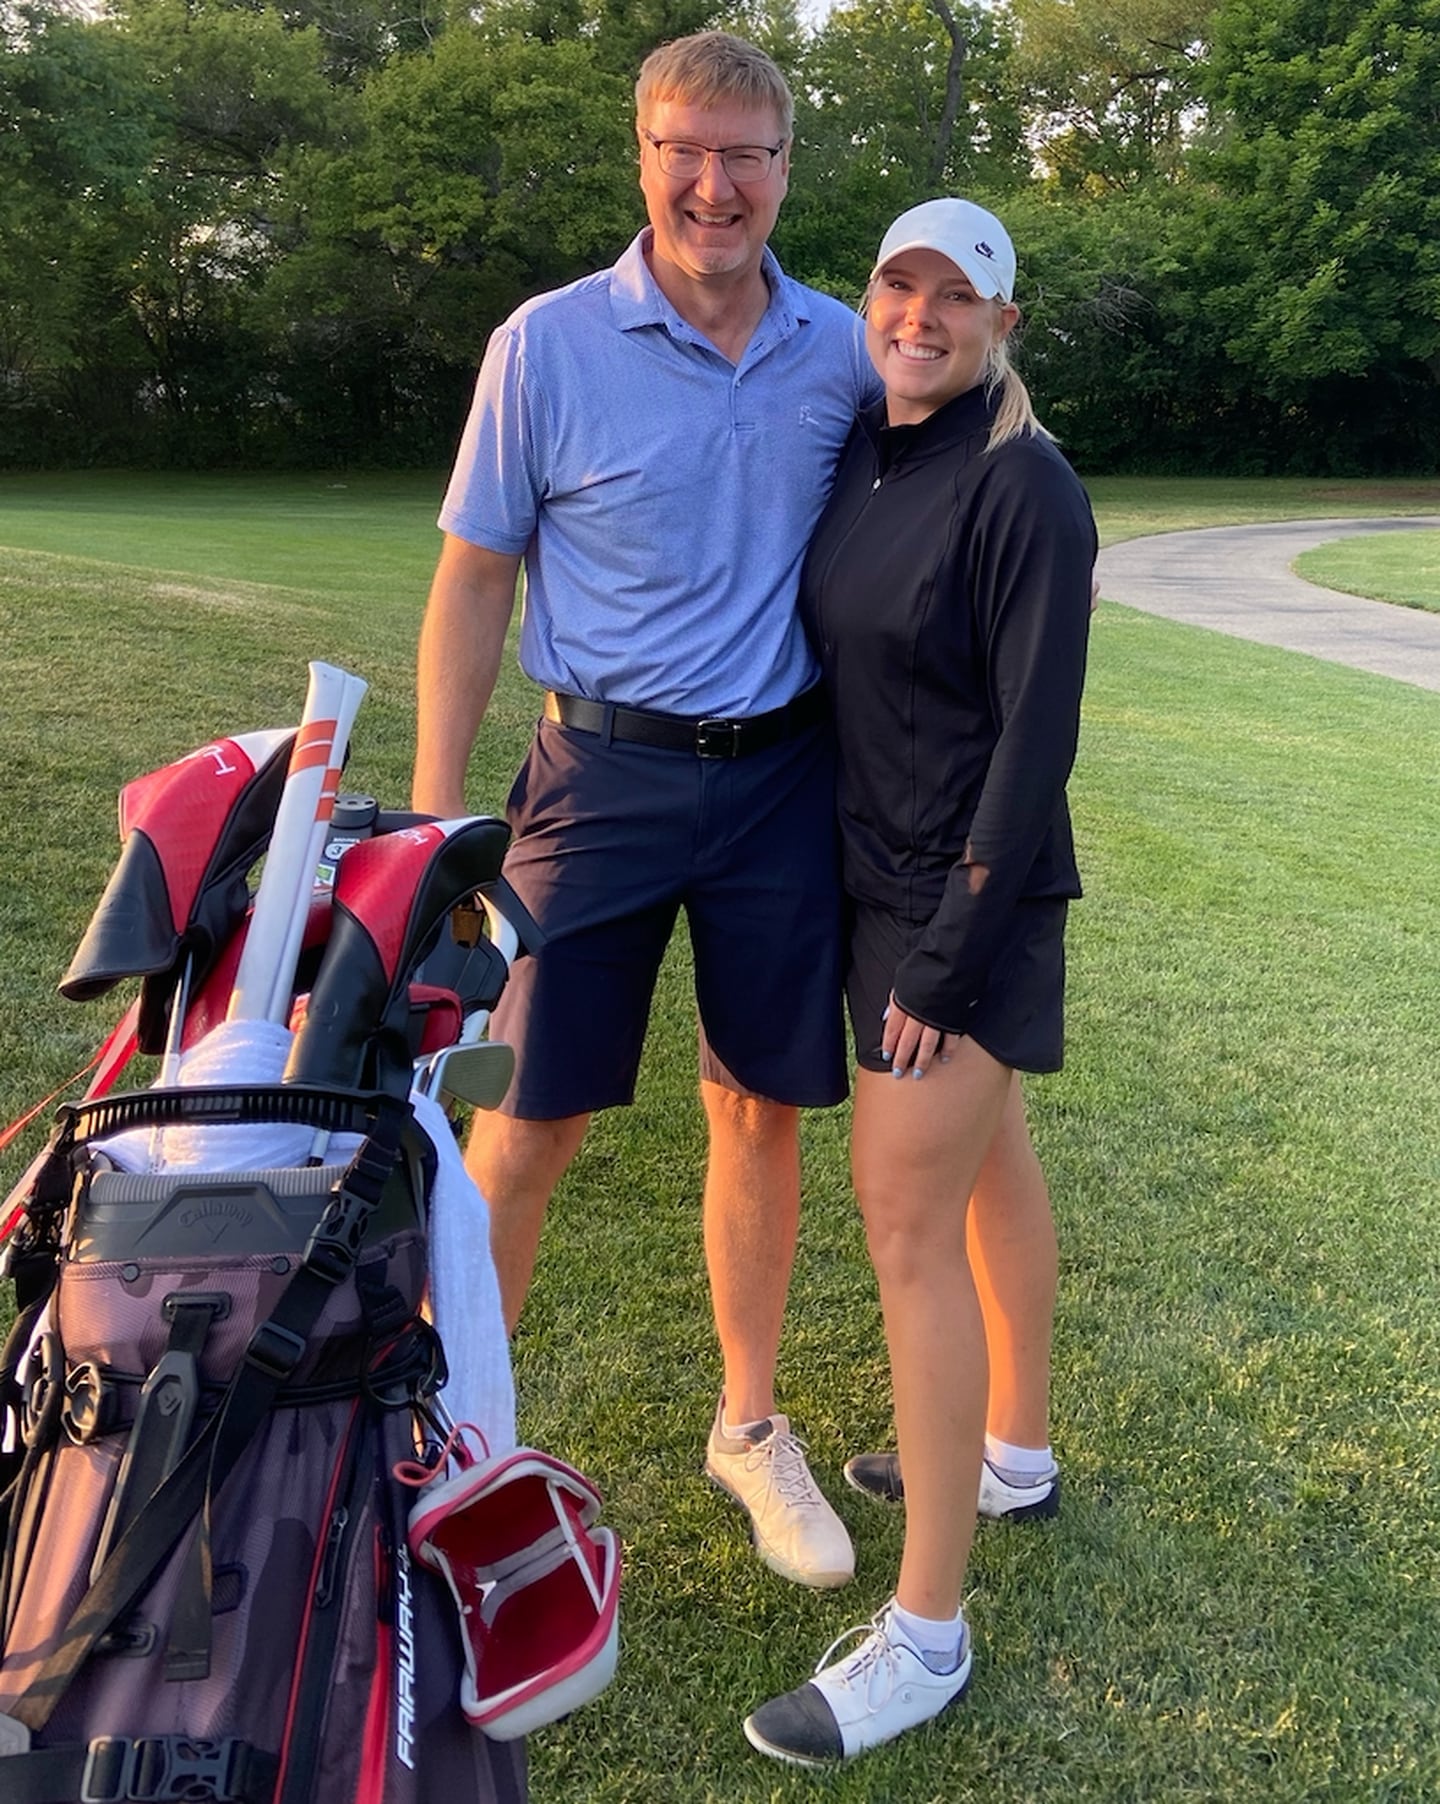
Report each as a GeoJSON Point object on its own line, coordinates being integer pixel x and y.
{"type": "Point", "coordinates": [327, 1649]}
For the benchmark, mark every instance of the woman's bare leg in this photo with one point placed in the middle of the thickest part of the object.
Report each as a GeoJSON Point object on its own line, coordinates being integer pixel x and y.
{"type": "Point", "coordinates": [1014, 1259]}
{"type": "Point", "coordinates": [917, 1151]}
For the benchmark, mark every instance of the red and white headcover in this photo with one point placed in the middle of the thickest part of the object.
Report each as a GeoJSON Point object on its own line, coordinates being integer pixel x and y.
{"type": "Point", "coordinates": [536, 1583]}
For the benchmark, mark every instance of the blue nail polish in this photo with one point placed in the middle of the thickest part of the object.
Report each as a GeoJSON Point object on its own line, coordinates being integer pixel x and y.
{"type": "Point", "coordinates": [917, 1072]}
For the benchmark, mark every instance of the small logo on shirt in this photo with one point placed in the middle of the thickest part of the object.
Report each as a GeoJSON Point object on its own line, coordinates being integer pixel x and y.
{"type": "Point", "coordinates": [807, 417]}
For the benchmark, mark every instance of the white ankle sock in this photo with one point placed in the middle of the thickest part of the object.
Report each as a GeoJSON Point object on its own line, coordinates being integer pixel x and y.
{"type": "Point", "coordinates": [1019, 1465]}
{"type": "Point", "coordinates": [939, 1642]}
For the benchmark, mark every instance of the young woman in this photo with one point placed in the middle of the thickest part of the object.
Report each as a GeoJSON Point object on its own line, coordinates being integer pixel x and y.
{"type": "Point", "coordinates": [948, 592]}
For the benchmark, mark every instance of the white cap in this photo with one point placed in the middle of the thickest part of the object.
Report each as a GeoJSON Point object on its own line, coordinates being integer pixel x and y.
{"type": "Point", "coordinates": [973, 240]}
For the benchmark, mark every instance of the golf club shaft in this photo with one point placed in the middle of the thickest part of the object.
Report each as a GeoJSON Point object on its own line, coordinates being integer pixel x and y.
{"type": "Point", "coordinates": [272, 947]}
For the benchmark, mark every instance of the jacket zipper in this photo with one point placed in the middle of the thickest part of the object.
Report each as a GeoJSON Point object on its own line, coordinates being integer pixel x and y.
{"type": "Point", "coordinates": [823, 581]}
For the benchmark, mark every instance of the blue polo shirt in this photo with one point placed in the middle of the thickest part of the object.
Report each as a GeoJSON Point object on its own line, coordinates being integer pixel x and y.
{"type": "Point", "coordinates": [661, 495]}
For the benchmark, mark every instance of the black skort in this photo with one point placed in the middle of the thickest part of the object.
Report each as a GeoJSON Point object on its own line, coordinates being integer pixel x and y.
{"type": "Point", "coordinates": [1019, 1017]}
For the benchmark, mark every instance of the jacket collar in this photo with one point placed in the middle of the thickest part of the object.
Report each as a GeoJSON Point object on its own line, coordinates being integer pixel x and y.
{"type": "Point", "coordinates": [963, 418]}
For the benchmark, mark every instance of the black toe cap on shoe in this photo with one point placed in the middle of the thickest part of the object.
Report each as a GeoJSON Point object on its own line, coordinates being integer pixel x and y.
{"type": "Point", "coordinates": [799, 1724]}
{"type": "Point", "coordinates": [877, 1475]}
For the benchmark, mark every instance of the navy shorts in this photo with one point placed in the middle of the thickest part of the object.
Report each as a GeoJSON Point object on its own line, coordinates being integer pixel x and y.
{"type": "Point", "coordinates": [610, 842]}
{"type": "Point", "coordinates": [1019, 1018]}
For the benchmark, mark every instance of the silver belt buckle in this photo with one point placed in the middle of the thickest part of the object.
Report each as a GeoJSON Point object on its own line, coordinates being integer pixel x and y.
{"type": "Point", "coordinates": [717, 738]}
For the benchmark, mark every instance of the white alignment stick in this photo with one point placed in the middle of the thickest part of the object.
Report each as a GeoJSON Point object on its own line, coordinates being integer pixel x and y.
{"type": "Point", "coordinates": [282, 902]}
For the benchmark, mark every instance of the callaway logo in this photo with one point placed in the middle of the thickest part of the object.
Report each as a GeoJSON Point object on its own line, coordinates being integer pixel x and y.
{"type": "Point", "coordinates": [984, 249]}
{"type": "Point", "coordinates": [405, 1661]}
{"type": "Point", "coordinates": [215, 1216]}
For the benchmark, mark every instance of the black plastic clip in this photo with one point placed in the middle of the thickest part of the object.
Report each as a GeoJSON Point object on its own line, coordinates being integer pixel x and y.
{"type": "Point", "coordinates": [276, 1351]}
{"type": "Point", "coordinates": [339, 1234]}
{"type": "Point", "coordinates": [160, 1768]}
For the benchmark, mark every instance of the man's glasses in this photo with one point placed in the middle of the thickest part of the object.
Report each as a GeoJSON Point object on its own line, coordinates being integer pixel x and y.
{"type": "Point", "coordinates": [741, 162]}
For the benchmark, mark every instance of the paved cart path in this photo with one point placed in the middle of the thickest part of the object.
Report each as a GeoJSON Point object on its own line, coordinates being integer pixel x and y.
{"type": "Point", "coordinates": [1237, 579]}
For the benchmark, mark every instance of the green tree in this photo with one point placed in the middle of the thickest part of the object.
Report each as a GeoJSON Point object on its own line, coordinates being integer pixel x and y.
{"type": "Point", "coordinates": [357, 36]}
{"type": "Point", "coordinates": [510, 166]}
{"type": "Point", "coordinates": [78, 134]}
{"type": "Point", "coordinates": [1323, 266]}
{"type": "Point", "coordinates": [484, 170]}
{"type": "Point", "coordinates": [775, 25]}
{"type": "Point", "coordinates": [1117, 343]}
{"type": "Point", "coordinates": [1111, 87]}
{"type": "Point", "coordinates": [240, 92]}
{"type": "Point", "coordinates": [626, 31]}
{"type": "Point", "coordinates": [895, 102]}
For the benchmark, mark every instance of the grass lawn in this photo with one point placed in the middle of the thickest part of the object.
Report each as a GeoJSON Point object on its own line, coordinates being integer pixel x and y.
{"type": "Point", "coordinates": [1239, 1600]}
{"type": "Point", "coordinates": [1374, 565]}
{"type": "Point", "coordinates": [1127, 506]}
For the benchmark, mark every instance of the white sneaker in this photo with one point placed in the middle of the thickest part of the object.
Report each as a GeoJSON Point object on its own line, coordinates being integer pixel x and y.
{"type": "Point", "coordinates": [796, 1532]}
{"type": "Point", "coordinates": [875, 1694]}
{"type": "Point", "coordinates": [879, 1475]}
{"type": "Point", "coordinates": [1004, 1502]}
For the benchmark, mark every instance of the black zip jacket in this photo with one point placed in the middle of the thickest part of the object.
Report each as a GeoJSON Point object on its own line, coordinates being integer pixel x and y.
{"type": "Point", "coordinates": [947, 591]}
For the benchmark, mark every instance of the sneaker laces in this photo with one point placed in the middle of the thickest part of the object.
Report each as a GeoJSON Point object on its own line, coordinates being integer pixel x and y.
{"type": "Point", "coordinates": [790, 1476]}
{"type": "Point", "coordinates": [877, 1659]}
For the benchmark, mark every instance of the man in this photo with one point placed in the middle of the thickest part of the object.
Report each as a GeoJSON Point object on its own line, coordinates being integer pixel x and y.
{"type": "Point", "coordinates": [655, 444]}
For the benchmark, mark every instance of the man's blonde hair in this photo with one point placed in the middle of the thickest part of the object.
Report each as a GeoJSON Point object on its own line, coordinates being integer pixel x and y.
{"type": "Point", "coordinates": [710, 69]}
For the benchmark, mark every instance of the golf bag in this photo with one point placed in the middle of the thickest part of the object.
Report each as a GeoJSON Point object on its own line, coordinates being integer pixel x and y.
{"type": "Point", "coordinates": [220, 1398]}
{"type": "Point", "coordinates": [207, 1586]}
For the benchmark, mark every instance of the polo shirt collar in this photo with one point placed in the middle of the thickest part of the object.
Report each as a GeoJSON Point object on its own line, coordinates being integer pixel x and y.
{"type": "Point", "coordinates": [636, 298]}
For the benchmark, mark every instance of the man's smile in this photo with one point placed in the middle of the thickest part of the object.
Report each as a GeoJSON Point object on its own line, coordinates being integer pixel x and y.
{"type": "Point", "coordinates": [708, 229]}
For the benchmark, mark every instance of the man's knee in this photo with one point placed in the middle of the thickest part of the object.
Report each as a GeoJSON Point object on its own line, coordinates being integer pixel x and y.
{"type": "Point", "coordinates": [754, 1147]}
{"type": "Point", "coordinates": [514, 1160]}
{"type": "Point", "coordinates": [749, 1120]}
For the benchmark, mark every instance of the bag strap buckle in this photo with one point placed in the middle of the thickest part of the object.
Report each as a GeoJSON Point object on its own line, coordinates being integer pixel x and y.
{"type": "Point", "coordinates": [275, 1350]}
{"type": "Point", "coordinates": [161, 1768]}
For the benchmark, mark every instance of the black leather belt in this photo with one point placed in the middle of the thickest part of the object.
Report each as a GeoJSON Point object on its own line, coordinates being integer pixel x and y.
{"type": "Point", "coordinates": [707, 738]}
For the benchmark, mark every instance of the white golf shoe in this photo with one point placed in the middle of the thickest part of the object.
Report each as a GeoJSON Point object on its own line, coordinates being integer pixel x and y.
{"type": "Point", "coordinates": [885, 1687]}
{"type": "Point", "coordinates": [795, 1531]}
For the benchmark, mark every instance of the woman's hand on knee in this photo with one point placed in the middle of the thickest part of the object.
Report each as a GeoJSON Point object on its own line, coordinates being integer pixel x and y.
{"type": "Point", "coordinates": [911, 1047]}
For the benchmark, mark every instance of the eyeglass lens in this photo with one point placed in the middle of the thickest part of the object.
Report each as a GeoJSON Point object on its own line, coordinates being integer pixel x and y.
{"type": "Point", "coordinates": [742, 162]}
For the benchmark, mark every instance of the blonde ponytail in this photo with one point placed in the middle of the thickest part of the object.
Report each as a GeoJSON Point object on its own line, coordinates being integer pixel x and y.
{"type": "Point", "coordinates": [1015, 416]}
